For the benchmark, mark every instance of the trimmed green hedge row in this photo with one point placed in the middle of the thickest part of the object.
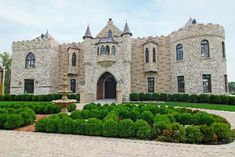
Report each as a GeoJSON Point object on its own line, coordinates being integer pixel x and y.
{"type": "Point", "coordinates": [11, 118]}
{"type": "Point", "coordinates": [39, 108]}
{"type": "Point", "coordinates": [27, 97]}
{"type": "Point", "coordinates": [151, 122]}
{"type": "Point", "coordinates": [202, 98]}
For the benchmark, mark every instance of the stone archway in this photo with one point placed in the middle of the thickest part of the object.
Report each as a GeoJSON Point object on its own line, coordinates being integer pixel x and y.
{"type": "Point", "coordinates": [106, 86]}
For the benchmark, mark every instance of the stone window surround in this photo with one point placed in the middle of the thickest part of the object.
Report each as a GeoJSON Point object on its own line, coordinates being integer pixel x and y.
{"type": "Point", "coordinates": [30, 61]}
{"type": "Point", "coordinates": [103, 49]}
{"type": "Point", "coordinates": [155, 82]}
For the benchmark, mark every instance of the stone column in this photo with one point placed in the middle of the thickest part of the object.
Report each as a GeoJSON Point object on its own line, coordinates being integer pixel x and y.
{"type": "Point", "coordinates": [119, 94]}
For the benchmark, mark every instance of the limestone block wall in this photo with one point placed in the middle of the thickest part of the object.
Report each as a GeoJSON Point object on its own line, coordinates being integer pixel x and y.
{"type": "Point", "coordinates": [193, 65]}
{"type": "Point", "coordinates": [163, 65]}
{"type": "Point", "coordinates": [45, 73]}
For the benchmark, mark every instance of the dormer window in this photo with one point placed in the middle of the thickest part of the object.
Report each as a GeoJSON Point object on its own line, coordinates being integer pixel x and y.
{"type": "Point", "coordinates": [110, 34]}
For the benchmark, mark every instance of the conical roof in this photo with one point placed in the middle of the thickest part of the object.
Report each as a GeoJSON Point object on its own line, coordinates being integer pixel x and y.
{"type": "Point", "coordinates": [126, 30]}
{"type": "Point", "coordinates": [88, 33]}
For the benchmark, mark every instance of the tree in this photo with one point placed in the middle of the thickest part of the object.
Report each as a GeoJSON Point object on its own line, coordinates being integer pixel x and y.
{"type": "Point", "coordinates": [231, 87]}
{"type": "Point", "coordinates": [6, 62]}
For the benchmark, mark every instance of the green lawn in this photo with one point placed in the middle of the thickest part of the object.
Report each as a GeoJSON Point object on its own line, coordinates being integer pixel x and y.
{"type": "Point", "coordinates": [24, 102]}
{"type": "Point", "coordinates": [203, 106]}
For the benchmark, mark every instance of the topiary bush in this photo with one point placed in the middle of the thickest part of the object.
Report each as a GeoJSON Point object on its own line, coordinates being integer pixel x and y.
{"type": "Point", "coordinates": [193, 134]}
{"type": "Point", "coordinates": [178, 133]}
{"type": "Point", "coordinates": [223, 132]}
{"type": "Point", "coordinates": [224, 99]}
{"type": "Point", "coordinates": [110, 128]}
{"type": "Point", "coordinates": [93, 126]}
{"type": "Point", "coordinates": [208, 134]}
{"type": "Point", "coordinates": [162, 96]}
{"type": "Point", "coordinates": [134, 115]}
{"type": "Point", "coordinates": [231, 100]}
{"type": "Point", "coordinates": [155, 97]}
{"type": "Point", "coordinates": [201, 118]}
{"type": "Point", "coordinates": [126, 128]}
{"type": "Point", "coordinates": [183, 118]}
{"type": "Point", "coordinates": [76, 114]}
{"type": "Point", "coordinates": [71, 107]}
{"type": "Point", "coordinates": [142, 129]}
{"type": "Point", "coordinates": [134, 97]}
{"type": "Point", "coordinates": [215, 99]}
{"type": "Point", "coordinates": [13, 121]}
{"type": "Point", "coordinates": [147, 116]}
{"type": "Point", "coordinates": [65, 125]}
{"type": "Point", "coordinates": [204, 98]}
{"type": "Point", "coordinates": [193, 98]}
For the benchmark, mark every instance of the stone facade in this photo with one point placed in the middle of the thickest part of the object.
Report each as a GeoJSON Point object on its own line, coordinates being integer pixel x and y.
{"type": "Point", "coordinates": [115, 57]}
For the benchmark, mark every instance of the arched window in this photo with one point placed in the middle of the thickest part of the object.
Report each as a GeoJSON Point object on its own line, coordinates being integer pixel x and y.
{"type": "Point", "coordinates": [102, 51]}
{"type": "Point", "coordinates": [154, 55]}
{"type": "Point", "coordinates": [74, 59]}
{"type": "Point", "coordinates": [146, 55]}
{"type": "Point", "coordinates": [113, 50]}
{"type": "Point", "coordinates": [107, 50]}
{"type": "Point", "coordinates": [205, 48]}
{"type": "Point", "coordinates": [179, 52]}
{"type": "Point", "coordinates": [30, 60]}
{"type": "Point", "coordinates": [223, 49]}
{"type": "Point", "coordinates": [110, 33]}
{"type": "Point", "coordinates": [98, 50]}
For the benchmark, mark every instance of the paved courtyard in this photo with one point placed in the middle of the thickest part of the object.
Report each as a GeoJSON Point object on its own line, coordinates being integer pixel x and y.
{"type": "Point", "coordinates": [30, 144]}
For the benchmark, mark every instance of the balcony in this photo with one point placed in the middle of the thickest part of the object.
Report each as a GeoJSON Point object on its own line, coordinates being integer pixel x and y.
{"type": "Point", "coordinates": [72, 70]}
{"type": "Point", "coordinates": [106, 60]}
{"type": "Point", "coordinates": [150, 67]}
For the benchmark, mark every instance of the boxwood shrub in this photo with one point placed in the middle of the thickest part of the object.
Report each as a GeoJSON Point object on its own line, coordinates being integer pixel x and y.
{"type": "Point", "coordinates": [14, 118]}
{"type": "Point", "coordinates": [141, 121]}
{"type": "Point", "coordinates": [134, 96]}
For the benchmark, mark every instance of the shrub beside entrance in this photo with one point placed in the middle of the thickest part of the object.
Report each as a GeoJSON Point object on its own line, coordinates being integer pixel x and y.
{"type": "Point", "coordinates": [149, 122]}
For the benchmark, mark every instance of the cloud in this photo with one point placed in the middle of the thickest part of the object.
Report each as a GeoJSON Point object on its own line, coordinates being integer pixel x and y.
{"type": "Point", "coordinates": [67, 20]}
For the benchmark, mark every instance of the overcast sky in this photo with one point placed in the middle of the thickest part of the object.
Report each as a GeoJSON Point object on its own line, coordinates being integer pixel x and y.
{"type": "Point", "coordinates": [67, 20]}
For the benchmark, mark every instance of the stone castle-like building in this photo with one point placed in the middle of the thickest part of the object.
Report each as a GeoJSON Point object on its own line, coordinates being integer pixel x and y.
{"type": "Point", "coordinates": [114, 64]}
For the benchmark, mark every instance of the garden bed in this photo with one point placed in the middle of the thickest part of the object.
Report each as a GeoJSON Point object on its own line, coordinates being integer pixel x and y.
{"type": "Point", "coordinates": [141, 121]}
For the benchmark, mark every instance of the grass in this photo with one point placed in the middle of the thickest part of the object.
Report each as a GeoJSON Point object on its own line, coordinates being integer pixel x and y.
{"type": "Point", "coordinates": [203, 106]}
{"type": "Point", "coordinates": [24, 102]}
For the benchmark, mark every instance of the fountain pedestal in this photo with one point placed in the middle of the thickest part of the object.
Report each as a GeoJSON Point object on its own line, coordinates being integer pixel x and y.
{"type": "Point", "coordinates": [64, 102]}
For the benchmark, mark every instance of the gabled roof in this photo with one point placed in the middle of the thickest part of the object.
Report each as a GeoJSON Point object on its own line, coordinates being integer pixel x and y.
{"type": "Point", "coordinates": [149, 41]}
{"type": "Point", "coordinates": [110, 26]}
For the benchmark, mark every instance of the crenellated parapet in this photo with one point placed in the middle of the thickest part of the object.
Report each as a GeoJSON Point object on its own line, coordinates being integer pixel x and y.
{"type": "Point", "coordinates": [197, 30]}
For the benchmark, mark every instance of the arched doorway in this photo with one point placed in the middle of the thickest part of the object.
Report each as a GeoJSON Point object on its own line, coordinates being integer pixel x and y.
{"type": "Point", "coordinates": [106, 86]}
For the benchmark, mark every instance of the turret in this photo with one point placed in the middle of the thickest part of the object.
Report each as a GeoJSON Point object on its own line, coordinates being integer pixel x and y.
{"type": "Point", "coordinates": [126, 30]}
{"type": "Point", "coordinates": [88, 33]}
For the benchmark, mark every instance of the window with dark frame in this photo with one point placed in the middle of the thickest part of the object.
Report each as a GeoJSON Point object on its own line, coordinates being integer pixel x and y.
{"type": "Point", "coordinates": [73, 85]}
{"type": "Point", "coordinates": [223, 50]}
{"type": "Point", "coordinates": [102, 51]}
{"type": "Point", "coordinates": [179, 52]}
{"type": "Point", "coordinates": [226, 83]}
{"type": "Point", "coordinates": [146, 55]}
{"type": "Point", "coordinates": [113, 50]}
{"type": "Point", "coordinates": [206, 83]}
{"type": "Point", "coordinates": [98, 50]}
{"type": "Point", "coordinates": [107, 50]}
{"type": "Point", "coordinates": [30, 60]}
{"type": "Point", "coordinates": [74, 59]}
{"type": "Point", "coordinates": [29, 86]}
{"type": "Point", "coordinates": [151, 83]}
{"type": "Point", "coordinates": [181, 84]}
{"type": "Point", "coordinates": [154, 55]}
{"type": "Point", "coordinates": [110, 34]}
{"type": "Point", "coordinates": [205, 48]}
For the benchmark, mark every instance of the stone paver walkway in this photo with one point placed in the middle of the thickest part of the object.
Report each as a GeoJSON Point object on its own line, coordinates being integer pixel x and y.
{"type": "Point", "coordinates": [31, 144]}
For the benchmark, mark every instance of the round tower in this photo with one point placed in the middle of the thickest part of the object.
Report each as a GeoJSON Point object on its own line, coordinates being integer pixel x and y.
{"type": "Point", "coordinates": [198, 60]}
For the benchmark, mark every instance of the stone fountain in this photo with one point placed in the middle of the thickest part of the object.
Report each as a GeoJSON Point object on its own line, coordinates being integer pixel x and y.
{"type": "Point", "coordinates": [64, 102]}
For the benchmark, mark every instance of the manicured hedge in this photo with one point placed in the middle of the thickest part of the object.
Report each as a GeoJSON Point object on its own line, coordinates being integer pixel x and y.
{"type": "Point", "coordinates": [201, 98]}
{"type": "Point", "coordinates": [28, 97]}
{"type": "Point", "coordinates": [141, 121]}
{"type": "Point", "coordinates": [39, 108]}
{"type": "Point", "coordinates": [11, 118]}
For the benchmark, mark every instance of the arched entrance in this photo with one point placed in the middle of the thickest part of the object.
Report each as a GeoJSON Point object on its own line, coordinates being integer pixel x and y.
{"type": "Point", "coordinates": [106, 86]}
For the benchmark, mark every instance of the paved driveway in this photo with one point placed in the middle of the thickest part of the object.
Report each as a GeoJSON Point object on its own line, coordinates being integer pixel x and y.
{"type": "Point", "coordinates": [30, 144]}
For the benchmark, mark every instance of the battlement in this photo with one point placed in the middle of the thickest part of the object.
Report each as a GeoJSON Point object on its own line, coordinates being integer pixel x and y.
{"type": "Point", "coordinates": [195, 30]}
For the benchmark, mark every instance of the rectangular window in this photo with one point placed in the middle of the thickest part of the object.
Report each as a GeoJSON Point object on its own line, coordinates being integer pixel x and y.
{"type": "Point", "coordinates": [73, 85]}
{"type": "Point", "coordinates": [223, 49]}
{"type": "Point", "coordinates": [181, 84]}
{"type": "Point", "coordinates": [226, 83]}
{"type": "Point", "coordinates": [150, 84]}
{"type": "Point", "coordinates": [206, 83]}
{"type": "Point", "coordinates": [29, 86]}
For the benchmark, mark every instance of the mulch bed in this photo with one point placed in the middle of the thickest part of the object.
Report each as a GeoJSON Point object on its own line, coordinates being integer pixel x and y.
{"type": "Point", "coordinates": [31, 127]}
